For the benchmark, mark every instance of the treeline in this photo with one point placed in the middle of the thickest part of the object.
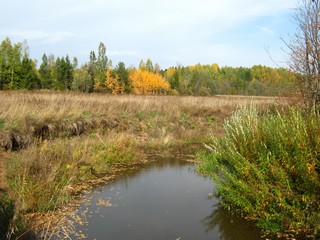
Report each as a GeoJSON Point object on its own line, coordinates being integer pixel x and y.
{"type": "Point", "coordinates": [18, 71]}
{"type": "Point", "coordinates": [213, 80]}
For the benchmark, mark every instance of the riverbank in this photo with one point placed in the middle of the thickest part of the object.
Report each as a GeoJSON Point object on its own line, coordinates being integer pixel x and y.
{"type": "Point", "coordinates": [58, 141]}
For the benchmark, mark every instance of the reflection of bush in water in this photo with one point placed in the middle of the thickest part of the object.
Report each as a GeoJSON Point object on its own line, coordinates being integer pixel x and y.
{"type": "Point", "coordinates": [230, 227]}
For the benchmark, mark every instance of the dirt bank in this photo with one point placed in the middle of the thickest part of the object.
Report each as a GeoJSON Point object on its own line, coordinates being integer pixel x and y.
{"type": "Point", "coordinates": [3, 182]}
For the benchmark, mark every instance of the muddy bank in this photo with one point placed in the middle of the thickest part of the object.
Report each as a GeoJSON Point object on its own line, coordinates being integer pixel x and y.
{"type": "Point", "coordinates": [15, 139]}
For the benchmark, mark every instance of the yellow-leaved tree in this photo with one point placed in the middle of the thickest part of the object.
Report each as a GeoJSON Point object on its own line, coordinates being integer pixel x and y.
{"type": "Point", "coordinates": [113, 83]}
{"type": "Point", "coordinates": [146, 82]}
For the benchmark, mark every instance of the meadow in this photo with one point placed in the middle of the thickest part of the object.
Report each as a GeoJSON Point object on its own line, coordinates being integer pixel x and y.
{"type": "Point", "coordinates": [46, 115]}
{"type": "Point", "coordinates": [54, 143]}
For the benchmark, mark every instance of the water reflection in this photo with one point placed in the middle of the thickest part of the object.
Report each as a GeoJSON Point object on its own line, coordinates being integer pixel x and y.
{"type": "Point", "coordinates": [229, 226]}
{"type": "Point", "coordinates": [166, 199]}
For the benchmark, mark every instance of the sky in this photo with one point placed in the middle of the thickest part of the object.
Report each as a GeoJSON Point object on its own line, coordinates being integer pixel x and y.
{"type": "Point", "coordinates": [185, 32]}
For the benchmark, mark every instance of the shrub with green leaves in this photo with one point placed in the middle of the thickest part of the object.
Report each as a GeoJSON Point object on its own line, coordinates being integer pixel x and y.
{"type": "Point", "coordinates": [266, 167]}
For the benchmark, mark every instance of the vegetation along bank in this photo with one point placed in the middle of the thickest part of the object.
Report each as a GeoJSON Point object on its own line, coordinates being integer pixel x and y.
{"type": "Point", "coordinates": [266, 166]}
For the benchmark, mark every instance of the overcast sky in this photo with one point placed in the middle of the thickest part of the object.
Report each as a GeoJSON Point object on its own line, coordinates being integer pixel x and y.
{"type": "Point", "coordinates": [227, 32]}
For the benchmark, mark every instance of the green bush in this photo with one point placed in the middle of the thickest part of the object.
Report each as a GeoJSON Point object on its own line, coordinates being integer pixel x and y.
{"type": "Point", "coordinates": [266, 167]}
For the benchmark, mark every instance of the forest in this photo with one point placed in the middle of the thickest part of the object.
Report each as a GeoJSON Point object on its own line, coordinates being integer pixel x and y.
{"type": "Point", "coordinates": [19, 71]}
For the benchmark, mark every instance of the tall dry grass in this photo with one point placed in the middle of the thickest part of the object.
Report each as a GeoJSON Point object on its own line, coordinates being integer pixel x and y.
{"type": "Point", "coordinates": [25, 116]}
{"type": "Point", "coordinates": [16, 106]}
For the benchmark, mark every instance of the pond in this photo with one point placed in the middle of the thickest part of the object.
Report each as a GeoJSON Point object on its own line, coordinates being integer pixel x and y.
{"type": "Point", "coordinates": [165, 199]}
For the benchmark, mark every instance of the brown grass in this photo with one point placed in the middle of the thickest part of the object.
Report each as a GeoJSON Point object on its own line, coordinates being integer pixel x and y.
{"type": "Point", "coordinates": [16, 106]}
{"type": "Point", "coordinates": [19, 109]}
{"type": "Point", "coordinates": [28, 116]}
{"type": "Point", "coordinates": [68, 138]}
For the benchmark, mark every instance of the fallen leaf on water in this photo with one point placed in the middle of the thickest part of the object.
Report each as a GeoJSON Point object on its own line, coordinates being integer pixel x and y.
{"type": "Point", "coordinates": [103, 202]}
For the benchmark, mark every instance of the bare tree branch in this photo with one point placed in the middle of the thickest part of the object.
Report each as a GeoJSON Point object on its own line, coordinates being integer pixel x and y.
{"type": "Point", "coordinates": [304, 49]}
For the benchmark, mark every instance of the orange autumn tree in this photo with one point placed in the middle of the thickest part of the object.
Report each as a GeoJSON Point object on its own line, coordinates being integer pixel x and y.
{"type": "Point", "coordinates": [146, 82]}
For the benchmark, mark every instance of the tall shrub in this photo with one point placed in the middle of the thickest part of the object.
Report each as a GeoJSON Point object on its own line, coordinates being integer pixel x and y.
{"type": "Point", "coordinates": [266, 167]}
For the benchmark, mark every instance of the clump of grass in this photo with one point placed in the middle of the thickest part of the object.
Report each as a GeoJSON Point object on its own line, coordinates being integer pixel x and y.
{"type": "Point", "coordinates": [52, 225]}
{"type": "Point", "coordinates": [122, 151]}
{"type": "Point", "coordinates": [38, 176]}
{"type": "Point", "coordinates": [267, 168]}
{"type": "Point", "coordinates": [62, 228]}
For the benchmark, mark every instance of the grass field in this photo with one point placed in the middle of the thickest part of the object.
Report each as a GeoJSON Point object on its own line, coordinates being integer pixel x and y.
{"type": "Point", "coordinates": [25, 115]}
{"type": "Point", "coordinates": [60, 140]}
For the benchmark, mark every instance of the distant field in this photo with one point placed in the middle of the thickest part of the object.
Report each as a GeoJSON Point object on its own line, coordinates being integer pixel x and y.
{"type": "Point", "coordinates": [16, 106]}
{"type": "Point", "coordinates": [35, 114]}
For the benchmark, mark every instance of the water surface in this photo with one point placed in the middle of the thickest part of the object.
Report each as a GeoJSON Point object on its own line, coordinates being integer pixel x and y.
{"type": "Point", "coordinates": [166, 199]}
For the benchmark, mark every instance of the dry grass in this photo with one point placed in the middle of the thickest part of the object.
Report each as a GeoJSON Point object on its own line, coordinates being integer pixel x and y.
{"type": "Point", "coordinates": [16, 106]}
{"type": "Point", "coordinates": [25, 116]}
{"type": "Point", "coordinates": [67, 138]}
{"type": "Point", "coordinates": [58, 225]}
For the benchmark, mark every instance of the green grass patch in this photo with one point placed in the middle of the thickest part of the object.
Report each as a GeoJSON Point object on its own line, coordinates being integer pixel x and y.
{"type": "Point", "coordinates": [1, 124]}
{"type": "Point", "coordinates": [266, 167]}
{"type": "Point", "coordinates": [121, 151]}
{"type": "Point", "coordinates": [154, 113]}
{"type": "Point", "coordinates": [141, 115]}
